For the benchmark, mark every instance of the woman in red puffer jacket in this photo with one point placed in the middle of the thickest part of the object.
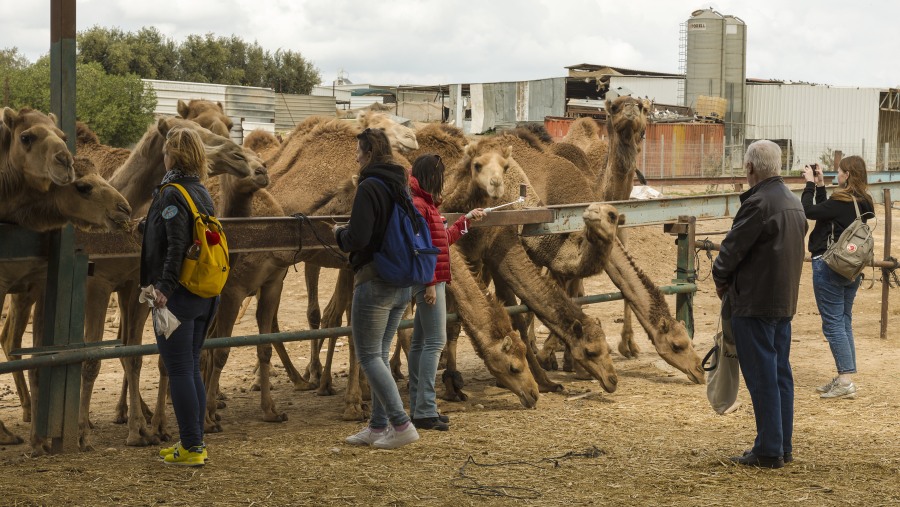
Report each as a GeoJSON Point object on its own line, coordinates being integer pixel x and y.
{"type": "Point", "coordinates": [430, 329]}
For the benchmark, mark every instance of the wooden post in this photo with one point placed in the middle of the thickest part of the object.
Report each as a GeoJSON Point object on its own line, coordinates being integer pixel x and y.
{"type": "Point", "coordinates": [59, 387]}
{"type": "Point", "coordinates": [885, 282]}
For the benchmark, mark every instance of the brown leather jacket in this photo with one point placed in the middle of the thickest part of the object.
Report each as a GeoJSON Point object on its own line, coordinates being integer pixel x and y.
{"type": "Point", "coordinates": [761, 258]}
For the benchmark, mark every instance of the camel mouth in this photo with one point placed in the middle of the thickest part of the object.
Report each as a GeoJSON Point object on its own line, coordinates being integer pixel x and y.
{"type": "Point", "coordinates": [697, 375]}
{"type": "Point", "coordinates": [528, 400]}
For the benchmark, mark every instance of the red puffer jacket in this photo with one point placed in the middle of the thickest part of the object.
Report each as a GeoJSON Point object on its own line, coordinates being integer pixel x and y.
{"type": "Point", "coordinates": [441, 236]}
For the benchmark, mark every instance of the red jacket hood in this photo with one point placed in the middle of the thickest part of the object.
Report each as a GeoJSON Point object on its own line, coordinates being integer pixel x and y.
{"type": "Point", "coordinates": [418, 192]}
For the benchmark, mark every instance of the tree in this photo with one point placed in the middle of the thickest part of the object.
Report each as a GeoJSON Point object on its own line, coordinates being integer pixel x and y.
{"type": "Point", "coordinates": [118, 108]}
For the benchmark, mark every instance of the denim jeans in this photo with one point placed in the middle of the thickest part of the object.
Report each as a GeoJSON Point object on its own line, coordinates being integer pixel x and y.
{"type": "Point", "coordinates": [374, 317]}
{"type": "Point", "coordinates": [181, 357]}
{"type": "Point", "coordinates": [834, 297]}
{"type": "Point", "coordinates": [764, 347]}
{"type": "Point", "coordinates": [428, 339]}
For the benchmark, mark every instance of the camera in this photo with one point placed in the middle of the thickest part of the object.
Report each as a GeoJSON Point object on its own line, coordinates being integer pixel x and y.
{"type": "Point", "coordinates": [815, 169]}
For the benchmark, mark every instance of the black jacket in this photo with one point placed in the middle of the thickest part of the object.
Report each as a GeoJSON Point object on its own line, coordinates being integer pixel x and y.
{"type": "Point", "coordinates": [371, 211]}
{"type": "Point", "coordinates": [826, 212]}
{"type": "Point", "coordinates": [761, 258]}
{"type": "Point", "coordinates": [166, 240]}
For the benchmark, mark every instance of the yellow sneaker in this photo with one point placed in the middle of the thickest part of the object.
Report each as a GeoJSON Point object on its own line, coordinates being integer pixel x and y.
{"type": "Point", "coordinates": [178, 455]}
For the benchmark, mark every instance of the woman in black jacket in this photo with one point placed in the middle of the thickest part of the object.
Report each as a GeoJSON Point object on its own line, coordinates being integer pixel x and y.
{"type": "Point", "coordinates": [377, 305]}
{"type": "Point", "coordinates": [834, 293]}
{"type": "Point", "coordinates": [168, 233]}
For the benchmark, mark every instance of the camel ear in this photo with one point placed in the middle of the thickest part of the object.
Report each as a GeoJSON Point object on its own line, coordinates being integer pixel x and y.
{"type": "Point", "coordinates": [646, 104]}
{"type": "Point", "coordinates": [507, 344]}
{"type": "Point", "coordinates": [221, 107]}
{"type": "Point", "coordinates": [507, 152]}
{"type": "Point", "coordinates": [183, 109]}
{"type": "Point", "coordinates": [621, 219]}
{"type": "Point", "coordinates": [578, 329]}
{"type": "Point", "coordinates": [664, 327]}
{"type": "Point", "coordinates": [163, 127]}
{"type": "Point", "coordinates": [608, 105]}
{"type": "Point", "coordinates": [9, 117]}
{"type": "Point", "coordinates": [53, 118]}
{"type": "Point", "coordinates": [280, 139]}
{"type": "Point", "coordinates": [363, 118]}
{"type": "Point", "coordinates": [470, 150]}
{"type": "Point", "coordinates": [355, 180]}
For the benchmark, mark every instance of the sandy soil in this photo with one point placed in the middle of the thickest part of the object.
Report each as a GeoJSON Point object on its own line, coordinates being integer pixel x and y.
{"type": "Point", "coordinates": [653, 442]}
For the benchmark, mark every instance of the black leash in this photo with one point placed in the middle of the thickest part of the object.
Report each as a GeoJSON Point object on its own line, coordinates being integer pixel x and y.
{"type": "Point", "coordinates": [301, 219]}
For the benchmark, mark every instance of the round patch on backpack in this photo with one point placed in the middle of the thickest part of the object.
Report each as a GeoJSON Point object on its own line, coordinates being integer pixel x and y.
{"type": "Point", "coordinates": [169, 212]}
{"type": "Point", "coordinates": [851, 247]}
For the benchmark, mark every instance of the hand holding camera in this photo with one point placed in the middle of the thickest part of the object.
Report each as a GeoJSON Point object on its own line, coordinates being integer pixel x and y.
{"type": "Point", "coordinates": [813, 173]}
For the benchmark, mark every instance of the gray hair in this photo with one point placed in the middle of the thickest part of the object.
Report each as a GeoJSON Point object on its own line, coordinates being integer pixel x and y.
{"type": "Point", "coordinates": [765, 157]}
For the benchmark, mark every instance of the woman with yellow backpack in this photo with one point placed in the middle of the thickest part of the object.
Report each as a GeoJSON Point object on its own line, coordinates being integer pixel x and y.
{"type": "Point", "coordinates": [169, 238]}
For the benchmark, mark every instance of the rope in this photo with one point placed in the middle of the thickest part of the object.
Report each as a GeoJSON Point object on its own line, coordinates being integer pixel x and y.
{"type": "Point", "coordinates": [891, 274]}
{"type": "Point", "coordinates": [708, 246]}
{"type": "Point", "coordinates": [472, 486]}
{"type": "Point", "coordinates": [301, 219]}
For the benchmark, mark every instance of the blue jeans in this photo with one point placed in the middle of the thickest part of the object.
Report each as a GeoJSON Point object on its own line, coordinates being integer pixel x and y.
{"type": "Point", "coordinates": [428, 339]}
{"type": "Point", "coordinates": [374, 317]}
{"type": "Point", "coordinates": [181, 356]}
{"type": "Point", "coordinates": [763, 347]}
{"type": "Point", "coordinates": [834, 297]}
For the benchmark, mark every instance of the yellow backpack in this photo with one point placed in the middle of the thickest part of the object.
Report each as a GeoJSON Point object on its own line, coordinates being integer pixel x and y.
{"type": "Point", "coordinates": [205, 270]}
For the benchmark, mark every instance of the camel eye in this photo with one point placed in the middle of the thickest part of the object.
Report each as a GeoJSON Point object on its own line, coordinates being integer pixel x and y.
{"type": "Point", "coordinates": [477, 167]}
{"type": "Point", "coordinates": [26, 139]}
{"type": "Point", "coordinates": [677, 348]}
{"type": "Point", "coordinates": [612, 217]}
{"type": "Point", "coordinates": [83, 188]}
{"type": "Point", "coordinates": [506, 168]}
{"type": "Point", "coordinates": [514, 370]}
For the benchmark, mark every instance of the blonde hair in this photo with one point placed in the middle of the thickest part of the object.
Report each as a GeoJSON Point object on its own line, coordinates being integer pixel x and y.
{"type": "Point", "coordinates": [186, 149]}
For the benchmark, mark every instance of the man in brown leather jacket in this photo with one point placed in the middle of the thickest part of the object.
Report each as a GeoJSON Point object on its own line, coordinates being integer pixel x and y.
{"type": "Point", "coordinates": [759, 267]}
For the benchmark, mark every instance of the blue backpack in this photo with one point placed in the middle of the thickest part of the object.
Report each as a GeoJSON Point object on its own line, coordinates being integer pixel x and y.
{"type": "Point", "coordinates": [406, 258]}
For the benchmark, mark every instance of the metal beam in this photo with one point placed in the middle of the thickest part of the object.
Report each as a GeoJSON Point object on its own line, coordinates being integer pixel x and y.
{"type": "Point", "coordinates": [78, 354]}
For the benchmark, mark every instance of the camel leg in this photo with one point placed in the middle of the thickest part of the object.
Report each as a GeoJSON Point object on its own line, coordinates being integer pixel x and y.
{"type": "Point", "coordinates": [354, 410]}
{"type": "Point", "coordinates": [7, 437]}
{"type": "Point", "coordinates": [265, 317]}
{"type": "Point", "coordinates": [401, 349]}
{"type": "Point", "coordinates": [508, 297]}
{"type": "Point", "coordinates": [222, 325]}
{"type": "Point", "coordinates": [159, 419]}
{"type": "Point", "coordinates": [314, 317]}
{"type": "Point", "coordinates": [339, 303]}
{"type": "Point", "coordinates": [134, 315]}
{"type": "Point", "coordinates": [547, 355]}
{"type": "Point", "coordinates": [627, 346]}
{"type": "Point", "coordinates": [96, 303]}
{"type": "Point", "coordinates": [451, 378]}
{"type": "Point", "coordinates": [13, 331]}
{"type": "Point", "coordinates": [39, 446]}
{"type": "Point", "coordinates": [243, 310]}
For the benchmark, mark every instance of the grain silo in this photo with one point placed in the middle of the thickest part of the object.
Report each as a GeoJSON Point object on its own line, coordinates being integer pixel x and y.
{"type": "Point", "coordinates": [716, 65]}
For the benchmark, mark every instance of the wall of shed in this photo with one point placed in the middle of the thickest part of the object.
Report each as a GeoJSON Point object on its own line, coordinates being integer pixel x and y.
{"type": "Point", "coordinates": [660, 90]}
{"type": "Point", "coordinates": [292, 109]}
{"type": "Point", "coordinates": [815, 119]}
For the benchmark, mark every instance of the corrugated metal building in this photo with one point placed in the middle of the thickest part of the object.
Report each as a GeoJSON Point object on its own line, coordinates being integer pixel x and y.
{"type": "Point", "coordinates": [815, 119]}
{"type": "Point", "coordinates": [479, 107]}
{"type": "Point", "coordinates": [292, 109]}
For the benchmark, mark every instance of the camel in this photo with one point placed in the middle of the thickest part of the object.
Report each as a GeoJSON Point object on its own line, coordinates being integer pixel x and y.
{"type": "Point", "coordinates": [90, 204]}
{"type": "Point", "coordinates": [33, 152]}
{"type": "Point", "coordinates": [263, 143]}
{"type": "Point", "coordinates": [106, 158]}
{"type": "Point", "coordinates": [403, 139]}
{"type": "Point", "coordinates": [478, 180]}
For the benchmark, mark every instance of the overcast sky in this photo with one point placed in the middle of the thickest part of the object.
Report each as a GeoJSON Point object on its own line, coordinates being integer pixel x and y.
{"type": "Point", "coordinates": [435, 42]}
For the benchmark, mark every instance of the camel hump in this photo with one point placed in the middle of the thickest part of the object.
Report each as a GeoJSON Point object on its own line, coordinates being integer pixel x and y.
{"type": "Point", "coordinates": [84, 134]}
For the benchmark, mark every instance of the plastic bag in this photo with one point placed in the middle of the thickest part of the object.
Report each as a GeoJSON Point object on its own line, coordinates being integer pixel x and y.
{"type": "Point", "coordinates": [724, 374]}
{"type": "Point", "coordinates": [164, 321]}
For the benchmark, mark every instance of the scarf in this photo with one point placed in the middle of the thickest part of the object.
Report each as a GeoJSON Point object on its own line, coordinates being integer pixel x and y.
{"type": "Point", "coordinates": [171, 175]}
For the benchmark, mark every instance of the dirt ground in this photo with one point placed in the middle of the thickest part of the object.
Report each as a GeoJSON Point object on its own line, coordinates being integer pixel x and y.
{"type": "Point", "coordinates": [655, 441]}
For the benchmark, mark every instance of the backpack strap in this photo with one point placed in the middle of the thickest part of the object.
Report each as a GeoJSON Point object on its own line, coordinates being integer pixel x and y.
{"type": "Point", "coordinates": [184, 192]}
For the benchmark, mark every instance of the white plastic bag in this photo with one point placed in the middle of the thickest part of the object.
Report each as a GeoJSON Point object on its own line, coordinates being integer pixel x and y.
{"type": "Point", "coordinates": [723, 378]}
{"type": "Point", "coordinates": [164, 321]}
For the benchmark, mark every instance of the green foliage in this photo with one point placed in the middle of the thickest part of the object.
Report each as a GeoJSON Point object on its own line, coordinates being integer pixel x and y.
{"type": "Point", "coordinates": [118, 108]}
{"type": "Point", "coordinates": [200, 58]}
{"type": "Point", "coordinates": [826, 160]}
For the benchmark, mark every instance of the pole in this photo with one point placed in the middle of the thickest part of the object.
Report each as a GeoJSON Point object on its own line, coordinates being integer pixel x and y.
{"type": "Point", "coordinates": [686, 228]}
{"type": "Point", "coordinates": [885, 282]}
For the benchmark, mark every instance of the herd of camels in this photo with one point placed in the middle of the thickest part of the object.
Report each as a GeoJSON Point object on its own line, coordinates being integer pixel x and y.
{"type": "Point", "coordinates": [42, 186]}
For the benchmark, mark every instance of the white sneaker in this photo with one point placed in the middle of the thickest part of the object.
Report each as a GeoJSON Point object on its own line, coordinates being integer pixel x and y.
{"type": "Point", "coordinates": [827, 387]}
{"type": "Point", "coordinates": [366, 436]}
{"type": "Point", "coordinates": [839, 390]}
{"type": "Point", "coordinates": [393, 438]}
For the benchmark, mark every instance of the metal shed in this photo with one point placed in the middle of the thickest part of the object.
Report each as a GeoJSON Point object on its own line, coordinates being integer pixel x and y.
{"type": "Point", "coordinates": [479, 107]}
{"type": "Point", "coordinates": [292, 109]}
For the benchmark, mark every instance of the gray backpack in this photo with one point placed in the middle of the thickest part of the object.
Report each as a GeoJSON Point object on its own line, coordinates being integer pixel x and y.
{"type": "Point", "coordinates": [853, 250]}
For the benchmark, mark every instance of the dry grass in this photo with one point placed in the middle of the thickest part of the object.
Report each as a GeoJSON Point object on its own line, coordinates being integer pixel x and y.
{"type": "Point", "coordinates": [657, 440]}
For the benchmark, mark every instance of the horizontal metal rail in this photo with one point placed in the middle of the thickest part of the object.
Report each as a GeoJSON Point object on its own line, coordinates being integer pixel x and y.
{"type": "Point", "coordinates": [889, 264]}
{"type": "Point", "coordinates": [79, 353]}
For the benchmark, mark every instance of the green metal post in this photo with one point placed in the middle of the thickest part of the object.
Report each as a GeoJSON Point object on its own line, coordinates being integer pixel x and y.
{"type": "Point", "coordinates": [59, 387]}
{"type": "Point", "coordinates": [684, 303]}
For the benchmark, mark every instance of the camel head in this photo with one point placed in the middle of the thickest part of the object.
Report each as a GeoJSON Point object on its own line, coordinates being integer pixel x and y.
{"type": "Point", "coordinates": [35, 148]}
{"type": "Point", "coordinates": [675, 346]}
{"type": "Point", "coordinates": [259, 174]}
{"type": "Point", "coordinates": [403, 139]}
{"type": "Point", "coordinates": [592, 352]}
{"type": "Point", "coordinates": [223, 155]}
{"type": "Point", "coordinates": [507, 363]}
{"type": "Point", "coordinates": [262, 142]}
{"type": "Point", "coordinates": [487, 161]}
{"type": "Point", "coordinates": [601, 222]}
{"type": "Point", "coordinates": [90, 203]}
{"type": "Point", "coordinates": [627, 117]}
{"type": "Point", "coordinates": [206, 113]}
